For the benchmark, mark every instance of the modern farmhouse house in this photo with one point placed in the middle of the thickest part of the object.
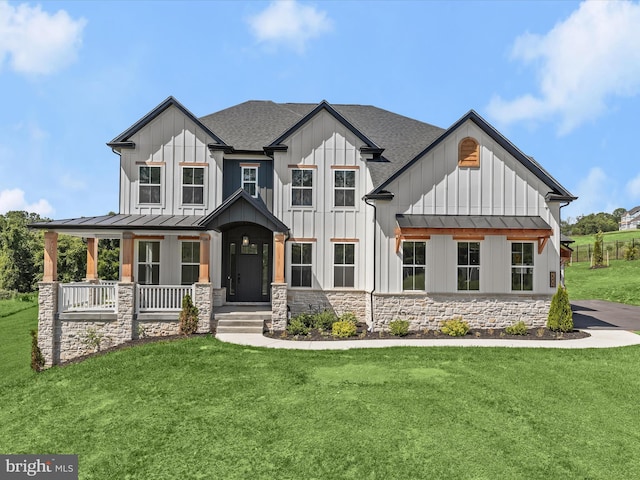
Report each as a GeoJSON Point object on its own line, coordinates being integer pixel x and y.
{"type": "Point", "coordinates": [292, 207]}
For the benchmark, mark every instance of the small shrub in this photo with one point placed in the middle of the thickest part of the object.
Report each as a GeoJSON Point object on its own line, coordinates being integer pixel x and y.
{"type": "Point", "coordinates": [188, 316]}
{"type": "Point", "coordinates": [307, 319]}
{"type": "Point", "coordinates": [324, 320]}
{"type": "Point", "coordinates": [342, 329]}
{"type": "Point", "coordinates": [519, 328]}
{"type": "Point", "coordinates": [560, 316]}
{"type": "Point", "coordinates": [455, 327]}
{"type": "Point", "coordinates": [349, 317]}
{"type": "Point", "coordinates": [540, 332]}
{"type": "Point", "coordinates": [598, 256]}
{"type": "Point", "coordinates": [297, 326]}
{"type": "Point", "coordinates": [37, 359]}
{"type": "Point", "coordinates": [631, 251]}
{"type": "Point", "coordinates": [93, 339]}
{"type": "Point", "coordinates": [399, 328]}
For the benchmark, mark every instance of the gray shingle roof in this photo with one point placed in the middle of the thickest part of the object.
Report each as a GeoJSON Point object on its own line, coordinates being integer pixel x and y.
{"type": "Point", "coordinates": [255, 124]}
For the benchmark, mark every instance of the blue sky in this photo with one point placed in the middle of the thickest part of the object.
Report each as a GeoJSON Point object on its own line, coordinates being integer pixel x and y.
{"type": "Point", "coordinates": [560, 79]}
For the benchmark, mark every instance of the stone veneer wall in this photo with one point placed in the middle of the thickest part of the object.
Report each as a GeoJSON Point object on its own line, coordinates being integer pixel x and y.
{"type": "Point", "coordinates": [479, 311]}
{"type": "Point", "coordinates": [279, 313]}
{"type": "Point", "coordinates": [340, 301]}
{"type": "Point", "coordinates": [68, 335]}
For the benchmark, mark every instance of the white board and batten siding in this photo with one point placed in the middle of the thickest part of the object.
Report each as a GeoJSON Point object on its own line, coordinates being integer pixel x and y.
{"type": "Point", "coordinates": [436, 185]}
{"type": "Point", "coordinates": [170, 141]}
{"type": "Point", "coordinates": [324, 145]}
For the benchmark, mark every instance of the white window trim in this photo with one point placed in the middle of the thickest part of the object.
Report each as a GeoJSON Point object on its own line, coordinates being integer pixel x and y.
{"type": "Point", "coordinates": [161, 202]}
{"type": "Point", "coordinates": [137, 259]}
{"type": "Point", "coordinates": [469, 265]}
{"type": "Point", "coordinates": [352, 265]}
{"type": "Point", "coordinates": [402, 265]}
{"type": "Point", "coordinates": [182, 242]}
{"type": "Point", "coordinates": [204, 187]}
{"type": "Point", "coordinates": [313, 187]}
{"type": "Point", "coordinates": [242, 182]}
{"type": "Point", "coordinates": [354, 188]}
{"type": "Point", "coordinates": [512, 266]}
{"type": "Point", "coordinates": [291, 264]}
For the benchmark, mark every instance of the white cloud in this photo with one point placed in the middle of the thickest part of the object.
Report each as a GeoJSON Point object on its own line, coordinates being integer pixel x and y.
{"type": "Point", "coordinates": [633, 189]}
{"type": "Point", "coordinates": [13, 199]}
{"type": "Point", "coordinates": [288, 23]}
{"type": "Point", "coordinates": [37, 42]}
{"type": "Point", "coordinates": [596, 192]}
{"type": "Point", "coordinates": [582, 62]}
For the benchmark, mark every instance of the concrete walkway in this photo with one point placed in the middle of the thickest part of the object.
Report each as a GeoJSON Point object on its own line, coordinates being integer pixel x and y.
{"type": "Point", "coordinates": [598, 339]}
{"type": "Point", "coordinates": [609, 324]}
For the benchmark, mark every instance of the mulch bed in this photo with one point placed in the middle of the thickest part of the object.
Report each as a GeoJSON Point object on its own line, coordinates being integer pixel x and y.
{"type": "Point", "coordinates": [497, 333]}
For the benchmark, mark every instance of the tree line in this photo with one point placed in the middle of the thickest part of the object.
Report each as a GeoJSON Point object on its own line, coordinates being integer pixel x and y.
{"type": "Point", "coordinates": [593, 223]}
{"type": "Point", "coordinates": [22, 254]}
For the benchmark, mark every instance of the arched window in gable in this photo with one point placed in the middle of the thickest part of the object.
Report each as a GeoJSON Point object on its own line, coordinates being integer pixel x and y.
{"type": "Point", "coordinates": [469, 153]}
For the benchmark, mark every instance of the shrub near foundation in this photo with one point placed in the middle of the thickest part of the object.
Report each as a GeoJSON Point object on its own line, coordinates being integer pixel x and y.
{"type": "Point", "coordinates": [455, 327]}
{"type": "Point", "coordinates": [519, 328]}
{"type": "Point", "coordinates": [297, 326]}
{"type": "Point", "coordinates": [560, 317]}
{"type": "Point", "coordinates": [399, 328]}
{"type": "Point", "coordinates": [324, 320]}
{"type": "Point", "coordinates": [188, 316]}
{"type": "Point", "coordinates": [343, 329]}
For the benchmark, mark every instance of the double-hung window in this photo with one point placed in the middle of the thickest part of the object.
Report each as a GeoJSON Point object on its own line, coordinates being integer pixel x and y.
{"type": "Point", "coordinates": [522, 266]}
{"type": "Point", "coordinates": [468, 265]}
{"type": "Point", "coordinates": [414, 263]}
{"type": "Point", "coordinates": [149, 262]}
{"type": "Point", "coordinates": [301, 262]}
{"type": "Point", "coordinates": [190, 263]}
{"type": "Point", "coordinates": [344, 185]}
{"type": "Point", "coordinates": [192, 185]}
{"type": "Point", "coordinates": [149, 186]}
{"type": "Point", "coordinates": [344, 265]}
{"type": "Point", "coordinates": [250, 180]}
{"type": "Point", "coordinates": [302, 187]}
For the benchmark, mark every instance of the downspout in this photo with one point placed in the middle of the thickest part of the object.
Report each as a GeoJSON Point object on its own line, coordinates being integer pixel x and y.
{"type": "Point", "coordinates": [375, 211]}
{"type": "Point", "coordinates": [561, 270]}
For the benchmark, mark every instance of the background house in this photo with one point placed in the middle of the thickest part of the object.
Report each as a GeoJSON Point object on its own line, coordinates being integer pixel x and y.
{"type": "Point", "coordinates": [291, 207]}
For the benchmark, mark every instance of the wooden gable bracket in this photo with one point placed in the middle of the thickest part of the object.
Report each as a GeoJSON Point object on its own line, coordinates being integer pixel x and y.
{"type": "Point", "coordinates": [542, 241]}
{"type": "Point", "coordinates": [410, 234]}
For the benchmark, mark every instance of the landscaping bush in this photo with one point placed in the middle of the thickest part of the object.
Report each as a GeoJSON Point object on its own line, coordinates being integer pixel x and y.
{"type": "Point", "coordinates": [399, 328]}
{"type": "Point", "coordinates": [297, 326]}
{"type": "Point", "coordinates": [455, 327]}
{"type": "Point", "coordinates": [519, 328]}
{"type": "Point", "coordinates": [343, 329]}
{"type": "Point", "coordinates": [188, 316]}
{"type": "Point", "coordinates": [560, 316]}
{"type": "Point", "coordinates": [324, 320]}
{"type": "Point", "coordinates": [307, 319]}
{"type": "Point", "coordinates": [349, 317]}
{"type": "Point", "coordinates": [37, 359]}
{"type": "Point", "coordinates": [630, 251]}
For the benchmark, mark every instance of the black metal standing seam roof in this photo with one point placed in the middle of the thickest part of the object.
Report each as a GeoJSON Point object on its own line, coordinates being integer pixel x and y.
{"type": "Point", "coordinates": [125, 222]}
{"type": "Point", "coordinates": [472, 221]}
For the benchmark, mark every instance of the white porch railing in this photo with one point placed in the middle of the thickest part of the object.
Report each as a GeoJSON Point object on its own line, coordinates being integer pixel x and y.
{"type": "Point", "coordinates": [83, 297]}
{"type": "Point", "coordinates": [161, 298]}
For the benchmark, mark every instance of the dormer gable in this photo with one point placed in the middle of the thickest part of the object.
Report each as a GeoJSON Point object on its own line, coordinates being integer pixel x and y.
{"type": "Point", "coordinates": [368, 147]}
{"type": "Point", "coordinates": [124, 141]}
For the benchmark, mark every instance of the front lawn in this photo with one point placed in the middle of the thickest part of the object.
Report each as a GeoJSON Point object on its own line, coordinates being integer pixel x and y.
{"type": "Point", "coordinates": [199, 408]}
{"type": "Point", "coordinates": [620, 282]}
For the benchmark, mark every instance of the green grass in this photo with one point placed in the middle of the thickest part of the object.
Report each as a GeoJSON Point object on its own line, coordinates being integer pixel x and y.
{"type": "Point", "coordinates": [620, 236]}
{"type": "Point", "coordinates": [9, 307]}
{"type": "Point", "coordinates": [620, 282]}
{"type": "Point", "coordinates": [198, 408]}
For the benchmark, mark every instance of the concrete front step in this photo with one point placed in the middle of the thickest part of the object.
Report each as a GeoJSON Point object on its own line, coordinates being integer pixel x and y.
{"type": "Point", "coordinates": [228, 323]}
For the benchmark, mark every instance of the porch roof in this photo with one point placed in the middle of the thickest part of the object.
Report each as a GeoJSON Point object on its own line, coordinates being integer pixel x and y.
{"type": "Point", "coordinates": [122, 222]}
{"type": "Point", "coordinates": [501, 222]}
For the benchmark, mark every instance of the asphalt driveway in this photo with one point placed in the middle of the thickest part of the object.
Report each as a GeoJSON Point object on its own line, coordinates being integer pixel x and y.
{"type": "Point", "coordinates": [599, 314]}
